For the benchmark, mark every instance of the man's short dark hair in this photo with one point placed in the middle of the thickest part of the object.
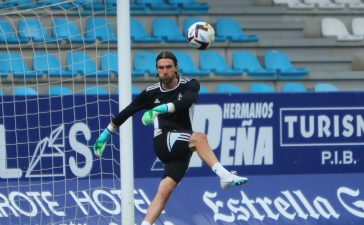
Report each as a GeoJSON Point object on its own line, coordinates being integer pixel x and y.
{"type": "Point", "coordinates": [166, 55]}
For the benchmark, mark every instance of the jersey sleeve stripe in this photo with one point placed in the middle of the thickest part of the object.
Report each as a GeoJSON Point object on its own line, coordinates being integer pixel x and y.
{"type": "Point", "coordinates": [152, 87]}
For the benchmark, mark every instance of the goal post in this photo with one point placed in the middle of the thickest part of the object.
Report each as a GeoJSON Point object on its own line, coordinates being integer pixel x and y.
{"type": "Point", "coordinates": [126, 135]}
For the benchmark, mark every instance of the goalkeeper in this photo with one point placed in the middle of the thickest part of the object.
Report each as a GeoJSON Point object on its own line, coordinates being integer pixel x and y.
{"type": "Point", "coordinates": [169, 104]}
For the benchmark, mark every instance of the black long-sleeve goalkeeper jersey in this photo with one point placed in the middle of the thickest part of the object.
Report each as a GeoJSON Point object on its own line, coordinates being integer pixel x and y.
{"type": "Point", "coordinates": [183, 96]}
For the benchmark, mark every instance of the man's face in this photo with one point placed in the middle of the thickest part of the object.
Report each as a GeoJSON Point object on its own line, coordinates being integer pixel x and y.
{"type": "Point", "coordinates": [166, 70]}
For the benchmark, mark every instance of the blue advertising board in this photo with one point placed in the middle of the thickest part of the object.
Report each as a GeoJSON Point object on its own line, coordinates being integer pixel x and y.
{"type": "Point", "coordinates": [275, 134]}
{"type": "Point", "coordinates": [303, 154]}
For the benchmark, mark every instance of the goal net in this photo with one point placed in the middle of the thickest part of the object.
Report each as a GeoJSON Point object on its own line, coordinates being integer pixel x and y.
{"type": "Point", "coordinates": [58, 90]}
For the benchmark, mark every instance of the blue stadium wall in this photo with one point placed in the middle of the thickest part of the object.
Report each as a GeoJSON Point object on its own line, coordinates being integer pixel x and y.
{"type": "Point", "coordinates": [303, 154]}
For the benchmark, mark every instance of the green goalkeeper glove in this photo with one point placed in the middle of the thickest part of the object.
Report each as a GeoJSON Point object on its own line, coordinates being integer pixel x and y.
{"type": "Point", "coordinates": [148, 116]}
{"type": "Point", "coordinates": [100, 143]}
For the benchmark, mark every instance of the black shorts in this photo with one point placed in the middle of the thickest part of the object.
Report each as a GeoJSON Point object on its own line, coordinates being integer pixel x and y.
{"type": "Point", "coordinates": [171, 147]}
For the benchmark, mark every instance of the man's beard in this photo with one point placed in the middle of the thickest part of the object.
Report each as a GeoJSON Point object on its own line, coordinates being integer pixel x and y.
{"type": "Point", "coordinates": [166, 80]}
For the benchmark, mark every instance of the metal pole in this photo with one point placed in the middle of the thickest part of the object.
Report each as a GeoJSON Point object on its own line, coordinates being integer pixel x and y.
{"type": "Point", "coordinates": [126, 130]}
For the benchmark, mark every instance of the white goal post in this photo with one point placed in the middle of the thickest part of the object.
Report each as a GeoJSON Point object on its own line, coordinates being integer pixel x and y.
{"type": "Point", "coordinates": [126, 135]}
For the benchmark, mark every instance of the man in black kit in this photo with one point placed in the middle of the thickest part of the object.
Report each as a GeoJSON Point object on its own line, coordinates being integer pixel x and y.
{"type": "Point", "coordinates": [169, 104]}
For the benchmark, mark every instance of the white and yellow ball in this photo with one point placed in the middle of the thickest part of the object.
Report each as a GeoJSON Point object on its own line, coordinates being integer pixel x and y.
{"type": "Point", "coordinates": [201, 35]}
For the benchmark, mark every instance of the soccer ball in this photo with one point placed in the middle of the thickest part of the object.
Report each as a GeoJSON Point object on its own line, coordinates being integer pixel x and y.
{"type": "Point", "coordinates": [201, 35]}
